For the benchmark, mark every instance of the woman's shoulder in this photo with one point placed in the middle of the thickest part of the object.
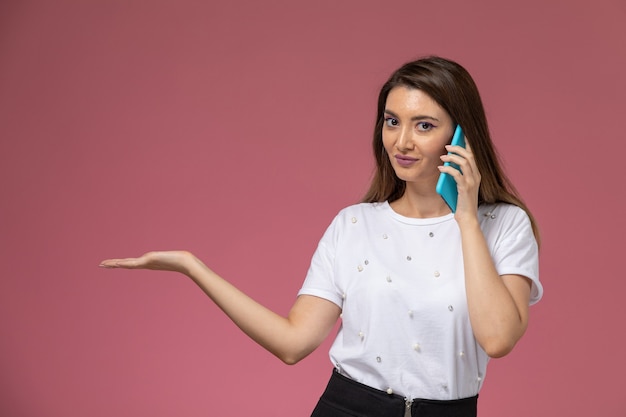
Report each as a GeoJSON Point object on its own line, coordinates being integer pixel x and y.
{"type": "Point", "coordinates": [501, 210]}
{"type": "Point", "coordinates": [349, 220]}
{"type": "Point", "coordinates": [359, 214]}
{"type": "Point", "coordinates": [503, 217]}
{"type": "Point", "coordinates": [363, 211]}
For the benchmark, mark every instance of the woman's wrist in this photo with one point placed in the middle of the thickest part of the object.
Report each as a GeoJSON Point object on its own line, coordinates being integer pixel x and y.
{"type": "Point", "coordinates": [186, 263]}
{"type": "Point", "coordinates": [192, 266]}
{"type": "Point", "coordinates": [467, 224]}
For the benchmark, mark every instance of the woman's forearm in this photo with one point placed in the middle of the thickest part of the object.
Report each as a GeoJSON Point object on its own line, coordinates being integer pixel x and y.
{"type": "Point", "coordinates": [289, 338]}
{"type": "Point", "coordinates": [498, 305]}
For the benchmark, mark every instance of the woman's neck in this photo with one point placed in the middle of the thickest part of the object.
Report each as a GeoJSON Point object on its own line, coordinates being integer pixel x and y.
{"type": "Point", "coordinates": [420, 205]}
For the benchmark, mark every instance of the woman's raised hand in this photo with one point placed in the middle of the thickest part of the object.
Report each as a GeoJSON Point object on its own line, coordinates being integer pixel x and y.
{"type": "Point", "coordinates": [467, 180]}
{"type": "Point", "coordinates": [178, 261]}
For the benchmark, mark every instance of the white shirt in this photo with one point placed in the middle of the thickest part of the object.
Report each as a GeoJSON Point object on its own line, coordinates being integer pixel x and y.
{"type": "Point", "coordinates": [400, 284]}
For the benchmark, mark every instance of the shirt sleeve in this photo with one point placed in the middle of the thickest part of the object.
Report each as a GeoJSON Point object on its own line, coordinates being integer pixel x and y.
{"type": "Point", "coordinates": [319, 280]}
{"type": "Point", "coordinates": [515, 250]}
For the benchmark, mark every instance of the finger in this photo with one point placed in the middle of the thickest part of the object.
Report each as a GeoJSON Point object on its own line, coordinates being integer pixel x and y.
{"type": "Point", "coordinates": [473, 166]}
{"type": "Point", "coordinates": [108, 263]}
{"type": "Point", "coordinates": [470, 155]}
{"type": "Point", "coordinates": [120, 263]}
{"type": "Point", "coordinates": [466, 176]}
{"type": "Point", "coordinates": [466, 154]}
{"type": "Point", "coordinates": [452, 171]}
{"type": "Point", "coordinates": [462, 162]}
{"type": "Point", "coordinates": [459, 150]}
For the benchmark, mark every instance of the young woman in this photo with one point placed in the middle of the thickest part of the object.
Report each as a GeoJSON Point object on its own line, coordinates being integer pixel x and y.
{"type": "Point", "coordinates": [426, 296]}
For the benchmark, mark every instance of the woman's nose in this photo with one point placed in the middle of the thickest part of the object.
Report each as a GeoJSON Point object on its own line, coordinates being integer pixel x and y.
{"type": "Point", "coordinates": [404, 141]}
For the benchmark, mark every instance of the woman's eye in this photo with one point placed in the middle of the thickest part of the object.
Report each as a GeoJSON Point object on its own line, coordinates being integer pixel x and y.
{"type": "Point", "coordinates": [391, 122]}
{"type": "Point", "coordinates": [424, 126]}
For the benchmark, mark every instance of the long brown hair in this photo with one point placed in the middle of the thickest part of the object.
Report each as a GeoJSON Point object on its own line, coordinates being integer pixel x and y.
{"type": "Point", "coordinates": [452, 87]}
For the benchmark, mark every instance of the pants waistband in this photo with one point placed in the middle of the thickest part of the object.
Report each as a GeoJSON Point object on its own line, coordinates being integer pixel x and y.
{"type": "Point", "coordinates": [343, 393]}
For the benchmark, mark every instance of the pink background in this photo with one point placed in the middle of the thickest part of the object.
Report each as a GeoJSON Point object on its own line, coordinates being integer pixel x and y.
{"type": "Point", "coordinates": [237, 130]}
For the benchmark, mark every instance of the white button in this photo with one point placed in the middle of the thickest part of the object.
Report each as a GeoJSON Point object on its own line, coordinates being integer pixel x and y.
{"type": "Point", "coordinates": [388, 278]}
{"type": "Point", "coordinates": [461, 353]}
{"type": "Point", "coordinates": [361, 335]}
{"type": "Point", "coordinates": [353, 220]}
{"type": "Point", "coordinates": [416, 347]}
{"type": "Point", "coordinates": [389, 391]}
{"type": "Point", "coordinates": [410, 313]}
{"type": "Point", "coordinates": [437, 274]}
{"type": "Point", "coordinates": [385, 236]}
{"type": "Point", "coordinates": [450, 308]}
{"type": "Point", "coordinates": [360, 268]}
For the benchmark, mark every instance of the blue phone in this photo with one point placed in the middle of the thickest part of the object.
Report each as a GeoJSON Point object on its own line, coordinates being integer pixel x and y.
{"type": "Point", "coordinates": [446, 185]}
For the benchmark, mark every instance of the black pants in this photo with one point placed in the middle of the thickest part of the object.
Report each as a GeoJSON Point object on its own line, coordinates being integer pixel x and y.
{"type": "Point", "coordinates": [344, 397]}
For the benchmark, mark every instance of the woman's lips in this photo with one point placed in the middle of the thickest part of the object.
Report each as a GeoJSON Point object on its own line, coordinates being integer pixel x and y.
{"type": "Point", "coordinates": [404, 160]}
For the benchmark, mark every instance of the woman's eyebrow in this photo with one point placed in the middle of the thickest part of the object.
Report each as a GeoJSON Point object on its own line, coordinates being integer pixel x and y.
{"type": "Point", "coordinates": [414, 118]}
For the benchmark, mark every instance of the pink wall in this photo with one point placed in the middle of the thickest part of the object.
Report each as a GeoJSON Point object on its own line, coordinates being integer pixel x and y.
{"type": "Point", "coordinates": [237, 130]}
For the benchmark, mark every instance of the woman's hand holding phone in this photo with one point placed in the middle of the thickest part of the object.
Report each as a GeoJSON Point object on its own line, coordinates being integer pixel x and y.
{"type": "Point", "coordinates": [459, 180]}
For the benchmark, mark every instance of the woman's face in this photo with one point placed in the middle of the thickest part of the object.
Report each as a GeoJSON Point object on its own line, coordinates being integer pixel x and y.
{"type": "Point", "coordinates": [415, 131]}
